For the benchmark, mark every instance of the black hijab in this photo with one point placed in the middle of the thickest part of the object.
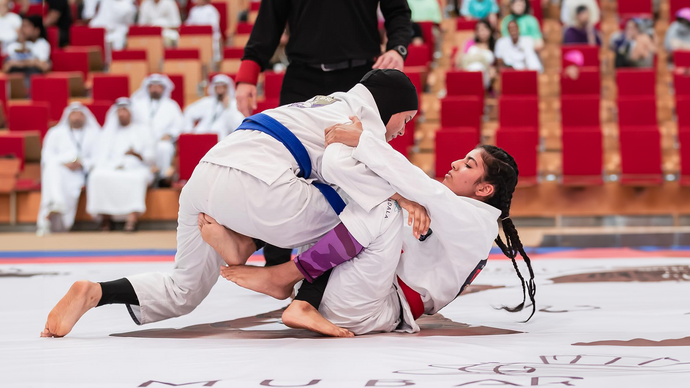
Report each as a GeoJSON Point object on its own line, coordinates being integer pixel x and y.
{"type": "Point", "coordinates": [392, 90]}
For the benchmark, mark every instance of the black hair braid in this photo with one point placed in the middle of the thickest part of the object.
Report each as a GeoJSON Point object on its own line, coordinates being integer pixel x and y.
{"type": "Point", "coordinates": [502, 172]}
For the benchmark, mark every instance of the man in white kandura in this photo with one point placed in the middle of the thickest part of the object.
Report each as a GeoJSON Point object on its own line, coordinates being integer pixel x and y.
{"type": "Point", "coordinates": [257, 182]}
{"type": "Point", "coordinates": [118, 182]}
{"type": "Point", "coordinates": [115, 16]}
{"type": "Point", "coordinates": [68, 154]}
{"type": "Point", "coordinates": [161, 13]}
{"type": "Point", "coordinates": [205, 14]}
{"type": "Point", "coordinates": [163, 116]}
{"type": "Point", "coordinates": [216, 113]}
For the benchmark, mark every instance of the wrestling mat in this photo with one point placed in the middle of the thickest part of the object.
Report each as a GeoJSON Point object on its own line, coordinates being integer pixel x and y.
{"type": "Point", "coordinates": [606, 318]}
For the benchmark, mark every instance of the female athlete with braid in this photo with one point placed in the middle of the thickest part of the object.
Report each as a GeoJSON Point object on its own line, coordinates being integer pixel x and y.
{"type": "Point", "coordinates": [368, 293]}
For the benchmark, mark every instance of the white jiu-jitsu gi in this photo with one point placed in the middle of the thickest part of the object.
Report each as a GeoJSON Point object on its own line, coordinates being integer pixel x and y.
{"type": "Point", "coordinates": [162, 116]}
{"type": "Point", "coordinates": [211, 115]}
{"type": "Point", "coordinates": [118, 182]}
{"type": "Point", "coordinates": [248, 183]}
{"type": "Point", "coordinates": [60, 186]}
{"type": "Point", "coordinates": [438, 268]}
{"type": "Point", "coordinates": [207, 15]}
{"type": "Point", "coordinates": [115, 16]}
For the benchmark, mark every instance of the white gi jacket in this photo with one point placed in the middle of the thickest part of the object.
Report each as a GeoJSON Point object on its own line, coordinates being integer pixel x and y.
{"type": "Point", "coordinates": [463, 229]}
{"type": "Point", "coordinates": [265, 158]}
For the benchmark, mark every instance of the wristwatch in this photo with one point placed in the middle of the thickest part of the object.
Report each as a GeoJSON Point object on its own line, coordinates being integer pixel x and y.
{"type": "Point", "coordinates": [402, 50]}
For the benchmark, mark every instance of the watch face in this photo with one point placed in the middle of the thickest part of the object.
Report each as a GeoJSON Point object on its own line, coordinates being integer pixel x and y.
{"type": "Point", "coordinates": [402, 50]}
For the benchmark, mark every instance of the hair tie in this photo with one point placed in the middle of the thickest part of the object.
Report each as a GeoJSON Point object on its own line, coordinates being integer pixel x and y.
{"type": "Point", "coordinates": [505, 218]}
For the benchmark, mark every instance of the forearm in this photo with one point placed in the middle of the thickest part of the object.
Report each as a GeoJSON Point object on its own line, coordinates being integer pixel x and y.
{"type": "Point", "coordinates": [398, 24]}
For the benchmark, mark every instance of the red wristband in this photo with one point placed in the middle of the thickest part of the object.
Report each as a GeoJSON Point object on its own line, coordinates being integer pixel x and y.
{"type": "Point", "coordinates": [248, 73]}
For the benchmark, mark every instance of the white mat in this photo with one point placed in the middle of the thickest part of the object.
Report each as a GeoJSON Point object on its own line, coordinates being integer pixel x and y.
{"type": "Point", "coordinates": [224, 344]}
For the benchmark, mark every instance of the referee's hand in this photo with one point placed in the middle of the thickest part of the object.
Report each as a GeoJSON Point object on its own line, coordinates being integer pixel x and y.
{"type": "Point", "coordinates": [389, 60]}
{"type": "Point", "coordinates": [246, 98]}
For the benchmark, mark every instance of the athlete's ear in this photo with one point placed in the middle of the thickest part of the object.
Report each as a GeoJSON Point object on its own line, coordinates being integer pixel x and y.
{"type": "Point", "coordinates": [484, 190]}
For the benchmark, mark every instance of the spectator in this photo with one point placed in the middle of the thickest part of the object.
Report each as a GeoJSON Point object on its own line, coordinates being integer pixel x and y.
{"type": "Point", "coordinates": [481, 9]}
{"type": "Point", "coordinates": [115, 16]}
{"type": "Point", "coordinates": [60, 16]}
{"type": "Point", "coordinates": [30, 54]}
{"type": "Point", "coordinates": [68, 153]}
{"type": "Point", "coordinates": [163, 116]}
{"type": "Point", "coordinates": [88, 10]}
{"type": "Point", "coordinates": [634, 47]}
{"type": "Point", "coordinates": [516, 51]}
{"type": "Point", "coordinates": [569, 11]}
{"type": "Point", "coordinates": [425, 11]}
{"type": "Point", "coordinates": [678, 33]}
{"type": "Point", "coordinates": [117, 184]}
{"type": "Point", "coordinates": [583, 32]}
{"type": "Point", "coordinates": [527, 24]}
{"type": "Point", "coordinates": [205, 14]}
{"type": "Point", "coordinates": [572, 62]}
{"type": "Point", "coordinates": [478, 54]}
{"type": "Point", "coordinates": [10, 23]}
{"type": "Point", "coordinates": [161, 13]}
{"type": "Point", "coordinates": [216, 113]}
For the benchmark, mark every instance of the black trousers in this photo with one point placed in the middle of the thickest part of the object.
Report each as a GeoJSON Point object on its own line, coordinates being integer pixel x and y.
{"type": "Point", "coordinates": [300, 84]}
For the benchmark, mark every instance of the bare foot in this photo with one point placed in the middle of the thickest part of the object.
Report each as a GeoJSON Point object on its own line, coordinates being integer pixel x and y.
{"type": "Point", "coordinates": [81, 297]}
{"type": "Point", "coordinates": [302, 315]}
{"type": "Point", "coordinates": [277, 281]}
{"type": "Point", "coordinates": [233, 247]}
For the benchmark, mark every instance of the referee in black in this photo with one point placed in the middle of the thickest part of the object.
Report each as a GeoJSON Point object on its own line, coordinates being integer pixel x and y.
{"type": "Point", "coordinates": [332, 44]}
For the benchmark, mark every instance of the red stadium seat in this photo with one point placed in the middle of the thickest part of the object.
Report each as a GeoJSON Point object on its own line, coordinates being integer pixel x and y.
{"type": "Point", "coordinates": [588, 82]}
{"type": "Point", "coordinates": [634, 8]}
{"type": "Point", "coordinates": [70, 61]}
{"type": "Point", "coordinates": [580, 111]}
{"type": "Point", "coordinates": [463, 24]}
{"type": "Point", "coordinates": [415, 77]}
{"type": "Point", "coordinates": [681, 84]}
{"type": "Point", "coordinates": [29, 117]}
{"type": "Point", "coordinates": [244, 28]}
{"type": "Point", "coordinates": [428, 36]}
{"type": "Point", "coordinates": [681, 58]}
{"type": "Point", "coordinates": [582, 156]}
{"type": "Point", "coordinates": [453, 144]}
{"type": "Point", "coordinates": [460, 111]}
{"type": "Point", "coordinates": [640, 148]}
{"type": "Point", "coordinates": [684, 140]}
{"type": "Point", "coordinates": [191, 148]}
{"type": "Point", "coordinates": [53, 91]}
{"type": "Point", "coordinates": [403, 143]}
{"type": "Point", "coordinates": [4, 93]}
{"type": "Point", "coordinates": [99, 110]}
{"type": "Point", "coordinates": [637, 111]}
{"type": "Point", "coordinates": [37, 9]}
{"type": "Point", "coordinates": [537, 11]}
{"type": "Point", "coordinates": [198, 37]}
{"type": "Point", "coordinates": [465, 83]}
{"type": "Point", "coordinates": [418, 55]}
{"type": "Point", "coordinates": [676, 5]}
{"type": "Point", "coordinates": [233, 52]}
{"type": "Point", "coordinates": [522, 144]}
{"type": "Point", "coordinates": [107, 87]}
{"type": "Point", "coordinates": [178, 92]}
{"type": "Point", "coordinates": [266, 104]}
{"type": "Point", "coordinates": [518, 112]}
{"type": "Point", "coordinates": [53, 38]}
{"type": "Point", "coordinates": [222, 8]}
{"type": "Point", "coordinates": [636, 82]}
{"type": "Point", "coordinates": [519, 83]}
{"type": "Point", "coordinates": [12, 144]}
{"type": "Point", "coordinates": [273, 82]}
{"type": "Point", "coordinates": [590, 53]}
{"type": "Point", "coordinates": [85, 36]}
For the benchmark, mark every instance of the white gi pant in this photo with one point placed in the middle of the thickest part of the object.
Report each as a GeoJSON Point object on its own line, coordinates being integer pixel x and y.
{"type": "Point", "coordinates": [289, 213]}
{"type": "Point", "coordinates": [361, 295]}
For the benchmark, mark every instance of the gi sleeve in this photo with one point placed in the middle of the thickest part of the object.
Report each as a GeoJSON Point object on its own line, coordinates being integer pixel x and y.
{"type": "Point", "coordinates": [398, 22]}
{"type": "Point", "coordinates": [444, 207]}
{"type": "Point", "coordinates": [264, 39]}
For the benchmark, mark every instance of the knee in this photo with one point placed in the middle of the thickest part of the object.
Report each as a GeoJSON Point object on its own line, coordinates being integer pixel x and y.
{"type": "Point", "coordinates": [294, 314]}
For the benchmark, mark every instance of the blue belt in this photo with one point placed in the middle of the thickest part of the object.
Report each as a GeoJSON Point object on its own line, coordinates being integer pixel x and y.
{"type": "Point", "coordinates": [270, 126]}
